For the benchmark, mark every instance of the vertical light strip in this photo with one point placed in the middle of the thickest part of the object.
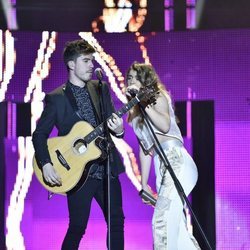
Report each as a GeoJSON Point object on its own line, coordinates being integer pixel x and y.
{"type": "Point", "coordinates": [13, 130]}
{"type": "Point", "coordinates": [13, 24]}
{"type": "Point", "coordinates": [14, 238]}
{"type": "Point", "coordinates": [190, 14]}
{"type": "Point", "coordinates": [35, 78]}
{"type": "Point", "coordinates": [1, 56]}
{"type": "Point", "coordinates": [169, 15]}
{"type": "Point", "coordinates": [40, 71]}
{"type": "Point", "coordinates": [189, 119]}
{"type": "Point", "coordinates": [189, 137]}
{"type": "Point", "coordinates": [9, 120]}
{"type": "Point", "coordinates": [191, 96]}
{"type": "Point", "coordinates": [41, 67]}
{"type": "Point", "coordinates": [10, 57]}
{"type": "Point", "coordinates": [191, 22]}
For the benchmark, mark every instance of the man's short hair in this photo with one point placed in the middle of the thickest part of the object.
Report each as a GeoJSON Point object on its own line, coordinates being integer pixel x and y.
{"type": "Point", "coordinates": [74, 49]}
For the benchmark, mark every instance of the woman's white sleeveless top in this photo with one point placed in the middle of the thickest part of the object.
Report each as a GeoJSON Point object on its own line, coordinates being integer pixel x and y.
{"type": "Point", "coordinates": [143, 133]}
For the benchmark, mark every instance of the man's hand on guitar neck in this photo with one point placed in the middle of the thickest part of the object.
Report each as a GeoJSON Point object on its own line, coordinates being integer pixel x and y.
{"type": "Point", "coordinates": [116, 124]}
{"type": "Point", "coordinates": [50, 175]}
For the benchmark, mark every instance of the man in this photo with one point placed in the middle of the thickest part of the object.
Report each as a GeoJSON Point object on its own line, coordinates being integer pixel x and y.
{"type": "Point", "coordinates": [79, 99]}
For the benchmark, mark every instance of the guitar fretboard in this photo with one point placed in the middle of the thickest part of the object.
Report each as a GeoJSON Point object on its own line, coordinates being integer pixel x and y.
{"type": "Point", "coordinates": [100, 128]}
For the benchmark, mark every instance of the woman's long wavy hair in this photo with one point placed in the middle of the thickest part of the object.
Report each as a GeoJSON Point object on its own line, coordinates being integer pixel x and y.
{"type": "Point", "coordinates": [148, 77]}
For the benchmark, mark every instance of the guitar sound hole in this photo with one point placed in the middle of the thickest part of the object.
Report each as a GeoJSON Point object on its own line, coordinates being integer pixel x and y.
{"type": "Point", "coordinates": [80, 146]}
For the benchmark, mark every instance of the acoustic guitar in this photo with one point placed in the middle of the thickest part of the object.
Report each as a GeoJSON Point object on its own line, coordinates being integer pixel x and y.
{"type": "Point", "coordinates": [73, 154]}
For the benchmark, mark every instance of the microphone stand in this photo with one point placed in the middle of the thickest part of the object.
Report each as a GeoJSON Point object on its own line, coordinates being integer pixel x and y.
{"type": "Point", "coordinates": [168, 167]}
{"type": "Point", "coordinates": [108, 168]}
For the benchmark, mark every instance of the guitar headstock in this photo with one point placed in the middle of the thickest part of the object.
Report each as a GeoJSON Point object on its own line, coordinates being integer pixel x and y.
{"type": "Point", "coordinates": [147, 95]}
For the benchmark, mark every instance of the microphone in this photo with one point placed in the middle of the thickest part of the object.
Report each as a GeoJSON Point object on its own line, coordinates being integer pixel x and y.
{"type": "Point", "coordinates": [133, 92]}
{"type": "Point", "coordinates": [148, 197]}
{"type": "Point", "coordinates": [99, 73]}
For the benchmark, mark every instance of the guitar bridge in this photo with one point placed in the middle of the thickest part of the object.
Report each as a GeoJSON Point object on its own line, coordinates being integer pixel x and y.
{"type": "Point", "coordinates": [62, 160]}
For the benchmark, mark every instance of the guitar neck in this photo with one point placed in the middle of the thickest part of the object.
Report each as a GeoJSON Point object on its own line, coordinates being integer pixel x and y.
{"type": "Point", "coordinates": [100, 128]}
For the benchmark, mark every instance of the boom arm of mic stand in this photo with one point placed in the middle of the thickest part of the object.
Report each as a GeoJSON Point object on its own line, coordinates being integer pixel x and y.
{"type": "Point", "coordinates": [167, 165]}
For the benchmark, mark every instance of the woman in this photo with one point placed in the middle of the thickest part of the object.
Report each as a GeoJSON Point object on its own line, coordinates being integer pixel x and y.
{"type": "Point", "coordinates": [169, 227]}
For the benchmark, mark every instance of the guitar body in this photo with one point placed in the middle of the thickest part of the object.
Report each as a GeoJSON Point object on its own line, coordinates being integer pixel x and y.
{"type": "Point", "coordinates": [72, 158]}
